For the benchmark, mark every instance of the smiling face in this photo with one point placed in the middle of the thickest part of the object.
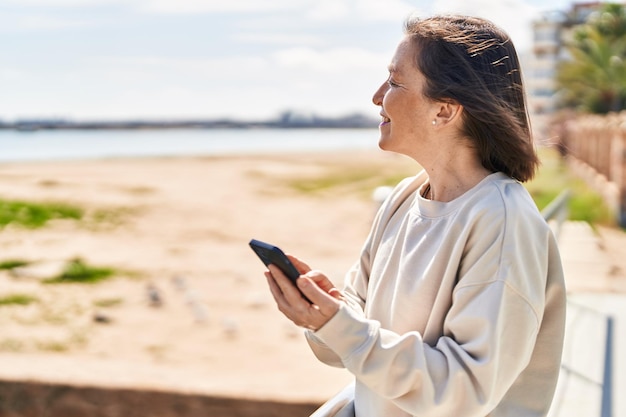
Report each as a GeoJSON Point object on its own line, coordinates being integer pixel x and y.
{"type": "Point", "coordinates": [407, 115]}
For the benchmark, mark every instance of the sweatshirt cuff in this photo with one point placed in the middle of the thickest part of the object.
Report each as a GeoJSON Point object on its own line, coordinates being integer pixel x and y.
{"type": "Point", "coordinates": [346, 332]}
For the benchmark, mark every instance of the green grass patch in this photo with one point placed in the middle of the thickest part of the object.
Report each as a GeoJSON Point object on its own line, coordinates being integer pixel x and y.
{"type": "Point", "coordinates": [108, 302]}
{"type": "Point", "coordinates": [52, 346]}
{"type": "Point", "coordinates": [78, 271]}
{"type": "Point", "coordinates": [332, 179]}
{"type": "Point", "coordinates": [11, 345]}
{"type": "Point", "coordinates": [17, 299]}
{"type": "Point", "coordinates": [34, 215]}
{"type": "Point", "coordinates": [13, 263]}
{"type": "Point", "coordinates": [553, 177]}
{"type": "Point", "coordinates": [361, 180]}
{"type": "Point", "coordinates": [108, 218]}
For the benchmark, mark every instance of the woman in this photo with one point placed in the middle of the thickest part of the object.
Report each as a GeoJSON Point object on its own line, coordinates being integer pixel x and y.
{"type": "Point", "coordinates": [456, 306]}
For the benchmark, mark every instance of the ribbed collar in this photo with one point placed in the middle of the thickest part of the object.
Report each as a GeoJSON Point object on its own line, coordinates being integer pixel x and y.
{"type": "Point", "coordinates": [434, 208]}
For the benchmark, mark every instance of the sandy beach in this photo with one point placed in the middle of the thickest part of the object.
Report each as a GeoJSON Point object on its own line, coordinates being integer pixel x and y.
{"type": "Point", "coordinates": [180, 227]}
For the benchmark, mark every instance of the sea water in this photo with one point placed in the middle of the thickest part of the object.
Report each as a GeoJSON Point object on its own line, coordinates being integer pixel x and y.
{"type": "Point", "coordinates": [49, 145]}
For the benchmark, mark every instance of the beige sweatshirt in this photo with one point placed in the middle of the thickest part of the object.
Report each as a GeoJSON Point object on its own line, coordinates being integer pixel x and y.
{"type": "Point", "coordinates": [454, 309]}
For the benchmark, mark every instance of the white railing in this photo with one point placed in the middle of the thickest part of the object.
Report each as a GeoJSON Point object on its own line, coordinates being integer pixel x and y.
{"type": "Point", "coordinates": [557, 212]}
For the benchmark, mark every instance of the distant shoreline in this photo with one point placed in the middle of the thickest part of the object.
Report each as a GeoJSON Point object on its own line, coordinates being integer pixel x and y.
{"type": "Point", "coordinates": [287, 120]}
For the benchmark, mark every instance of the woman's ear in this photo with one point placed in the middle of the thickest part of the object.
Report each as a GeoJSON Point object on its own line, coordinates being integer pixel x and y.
{"type": "Point", "coordinates": [449, 112]}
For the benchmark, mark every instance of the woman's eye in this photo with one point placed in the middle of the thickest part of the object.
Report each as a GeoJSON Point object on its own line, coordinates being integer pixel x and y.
{"type": "Point", "coordinates": [392, 83]}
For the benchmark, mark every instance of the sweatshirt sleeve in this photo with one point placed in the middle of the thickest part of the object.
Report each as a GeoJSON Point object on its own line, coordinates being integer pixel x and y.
{"type": "Point", "coordinates": [489, 337]}
{"type": "Point", "coordinates": [354, 299]}
{"type": "Point", "coordinates": [357, 278]}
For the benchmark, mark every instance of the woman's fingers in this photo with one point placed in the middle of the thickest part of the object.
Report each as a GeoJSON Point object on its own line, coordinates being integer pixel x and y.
{"type": "Point", "coordinates": [294, 306]}
{"type": "Point", "coordinates": [287, 288]}
{"type": "Point", "coordinates": [326, 304]}
{"type": "Point", "coordinates": [302, 267]}
{"type": "Point", "coordinates": [277, 293]}
{"type": "Point", "coordinates": [324, 283]}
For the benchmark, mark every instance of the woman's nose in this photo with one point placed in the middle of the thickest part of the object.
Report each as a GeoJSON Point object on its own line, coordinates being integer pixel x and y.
{"type": "Point", "coordinates": [379, 94]}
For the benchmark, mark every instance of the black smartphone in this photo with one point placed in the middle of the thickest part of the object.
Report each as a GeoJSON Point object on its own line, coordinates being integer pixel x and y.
{"type": "Point", "coordinates": [271, 254]}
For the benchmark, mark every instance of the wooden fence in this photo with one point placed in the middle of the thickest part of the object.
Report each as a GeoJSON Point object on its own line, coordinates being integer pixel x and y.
{"type": "Point", "coordinates": [596, 148]}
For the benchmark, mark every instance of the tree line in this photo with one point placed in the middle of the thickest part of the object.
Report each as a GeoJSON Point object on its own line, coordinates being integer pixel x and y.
{"type": "Point", "coordinates": [593, 79]}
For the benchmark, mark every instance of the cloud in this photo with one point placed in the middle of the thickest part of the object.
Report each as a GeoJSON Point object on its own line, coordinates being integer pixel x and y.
{"type": "Point", "coordinates": [50, 15]}
{"type": "Point", "coordinates": [389, 10]}
{"type": "Point", "coordinates": [164, 70]}
{"type": "Point", "coordinates": [317, 10]}
{"type": "Point", "coordinates": [329, 10]}
{"type": "Point", "coordinates": [213, 6]}
{"type": "Point", "coordinates": [335, 81]}
{"type": "Point", "coordinates": [8, 74]}
{"type": "Point", "coordinates": [334, 60]}
{"type": "Point", "coordinates": [166, 6]}
{"type": "Point", "coordinates": [40, 22]}
{"type": "Point", "coordinates": [514, 16]}
{"type": "Point", "coordinates": [63, 3]}
{"type": "Point", "coordinates": [277, 38]}
{"type": "Point", "coordinates": [365, 10]}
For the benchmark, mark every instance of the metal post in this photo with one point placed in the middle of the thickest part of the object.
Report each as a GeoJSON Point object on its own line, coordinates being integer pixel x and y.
{"type": "Point", "coordinates": [607, 380]}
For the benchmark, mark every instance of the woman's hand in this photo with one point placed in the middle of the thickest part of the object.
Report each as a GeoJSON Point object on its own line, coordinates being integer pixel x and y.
{"type": "Point", "coordinates": [325, 298]}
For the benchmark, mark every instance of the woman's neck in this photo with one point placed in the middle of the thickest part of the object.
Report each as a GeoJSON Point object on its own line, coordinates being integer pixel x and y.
{"type": "Point", "coordinates": [452, 176]}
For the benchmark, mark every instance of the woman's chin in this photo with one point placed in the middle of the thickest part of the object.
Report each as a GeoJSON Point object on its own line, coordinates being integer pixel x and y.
{"type": "Point", "coordinates": [384, 143]}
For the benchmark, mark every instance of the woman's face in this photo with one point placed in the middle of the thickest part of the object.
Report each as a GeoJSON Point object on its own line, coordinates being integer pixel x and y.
{"type": "Point", "coordinates": [407, 123]}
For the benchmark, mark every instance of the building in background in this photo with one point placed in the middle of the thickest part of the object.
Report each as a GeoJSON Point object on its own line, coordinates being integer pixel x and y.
{"type": "Point", "coordinates": [550, 36]}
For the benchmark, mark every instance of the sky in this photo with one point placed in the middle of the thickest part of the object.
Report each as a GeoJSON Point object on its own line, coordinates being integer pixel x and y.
{"type": "Point", "coordinates": [239, 59]}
